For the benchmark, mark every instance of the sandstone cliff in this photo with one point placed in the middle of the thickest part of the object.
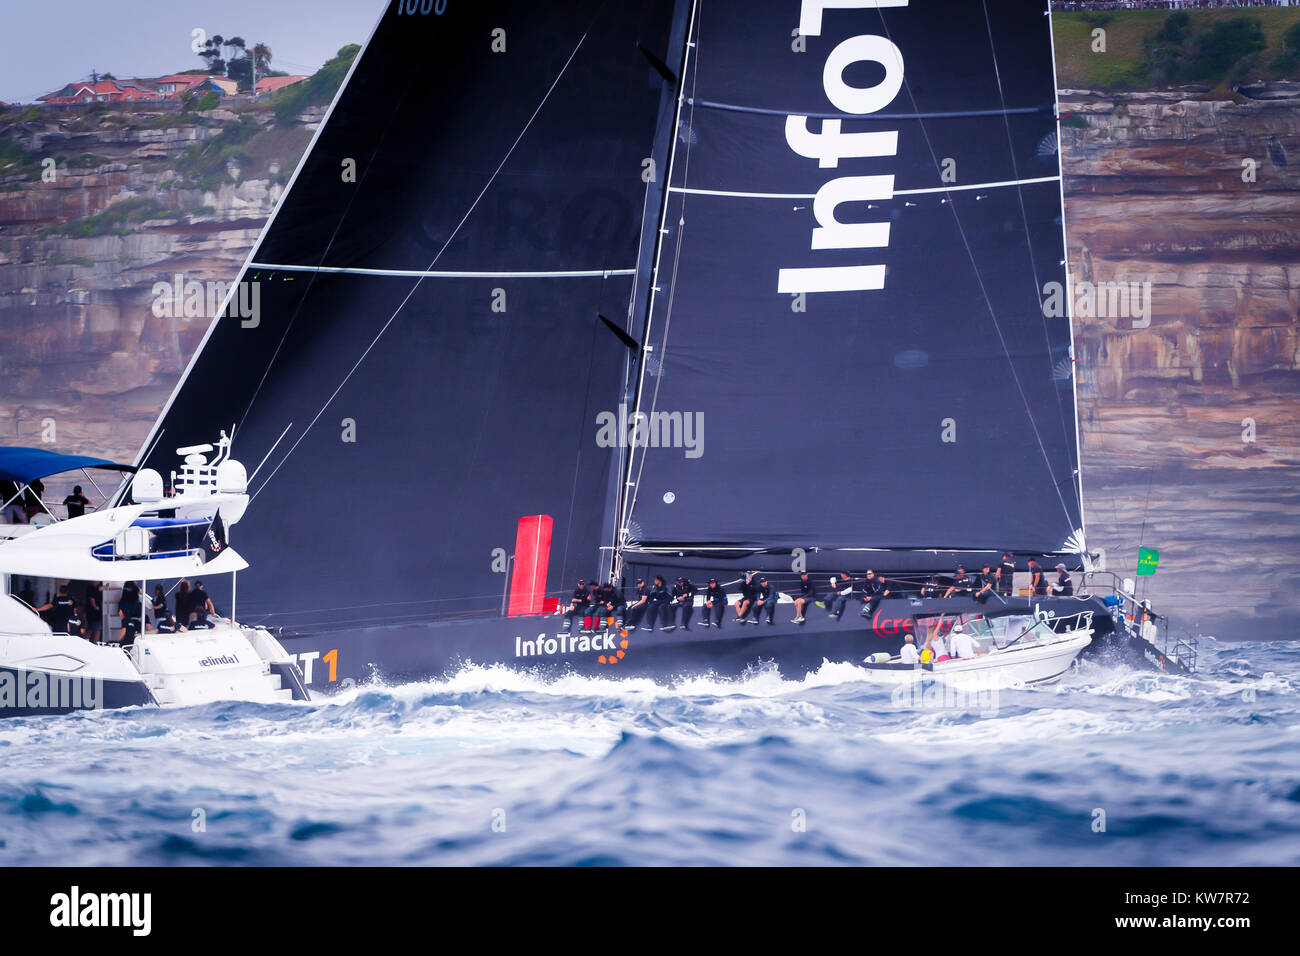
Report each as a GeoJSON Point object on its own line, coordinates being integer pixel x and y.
{"type": "Point", "coordinates": [1155, 193]}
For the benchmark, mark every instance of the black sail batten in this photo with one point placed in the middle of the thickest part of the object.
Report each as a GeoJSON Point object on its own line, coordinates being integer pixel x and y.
{"type": "Point", "coordinates": [934, 411]}
{"type": "Point", "coordinates": [430, 363]}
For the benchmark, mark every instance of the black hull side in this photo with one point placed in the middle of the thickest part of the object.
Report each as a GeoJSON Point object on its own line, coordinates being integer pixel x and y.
{"type": "Point", "coordinates": [65, 694]}
{"type": "Point", "coordinates": [432, 650]}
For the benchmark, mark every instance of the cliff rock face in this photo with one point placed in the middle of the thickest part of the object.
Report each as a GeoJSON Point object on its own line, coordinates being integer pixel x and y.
{"type": "Point", "coordinates": [130, 204]}
{"type": "Point", "coordinates": [1190, 442]}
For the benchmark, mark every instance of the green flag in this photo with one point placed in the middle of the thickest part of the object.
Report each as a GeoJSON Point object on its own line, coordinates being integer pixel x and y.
{"type": "Point", "coordinates": [1148, 558]}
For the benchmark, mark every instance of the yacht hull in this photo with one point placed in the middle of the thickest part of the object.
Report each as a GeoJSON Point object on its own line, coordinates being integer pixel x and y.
{"type": "Point", "coordinates": [431, 650]}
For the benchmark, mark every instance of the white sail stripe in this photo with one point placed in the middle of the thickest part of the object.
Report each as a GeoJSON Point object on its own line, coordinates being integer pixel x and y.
{"type": "Point", "coordinates": [418, 273]}
{"type": "Point", "coordinates": [897, 192]}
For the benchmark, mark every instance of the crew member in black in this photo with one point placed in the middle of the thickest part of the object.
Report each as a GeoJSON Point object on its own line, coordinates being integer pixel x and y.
{"type": "Point", "coordinates": [159, 603]}
{"type": "Point", "coordinates": [683, 605]}
{"type": "Point", "coordinates": [76, 503]}
{"type": "Point", "coordinates": [168, 625]}
{"type": "Point", "coordinates": [765, 604]}
{"type": "Point", "coordinates": [1064, 587]}
{"type": "Point", "coordinates": [715, 603]}
{"type": "Point", "coordinates": [931, 587]}
{"type": "Point", "coordinates": [659, 604]}
{"type": "Point", "coordinates": [200, 607]}
{"type": "Point", "coordinates": [636, 610]}
{"type": "Point", "coordinates": [72, 626]}
{"type": "Point", "coordinates": [806, 598]}
{"type": "Point", "coordinates": [984, 584]}
{"type": "Point", "coordinates": [873, 592]}
{"type": "Point", "coordinates": [577, 604]}
{"type": "Point", "coordinates": [960, 583]}
{"type": "Point", "coordinates": [1037, 579]}
{"type": "Point", "coordinates": [94, 611]}
{"type": "Point", "coordinates": [610, 603]}
{"type": "Point", "coordinates": [842, 587]}
{"type": "Point", "coordinates": [748, 595]}
{"type": "Point", "coordinates": [128, 609]}
{"type": "Point", "coordinates": [60, 609]}
{"type": "Point", "coordinates": [1006, 574]}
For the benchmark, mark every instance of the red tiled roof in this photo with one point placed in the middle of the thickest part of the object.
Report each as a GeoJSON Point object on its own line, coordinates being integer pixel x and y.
{"type": "Point", "coordinates": [269, 84]}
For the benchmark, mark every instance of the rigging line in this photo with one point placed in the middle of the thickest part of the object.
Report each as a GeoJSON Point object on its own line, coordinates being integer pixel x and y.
{"type": "Point", "coordinates": [437, 256]}
{"type": "Point", "coordinates": [629, 501]}
{"type": "Point", "coordinates": [1029, 244]}
{"type": "Point", "coordinates": [302, 300]}
{"type": "Point", "coordinates": [896, 192]}
{"type": "Point", "coordinates": [416, 273]}
{"type": "Point", "coordinates": [268, 454]}
{"type": "Point", "coordinates": [1015, 375]}
{"type": "Point", "coordinates": [626, 385]}
{"type": "Point", "coordinates": [695, 28]}
{"type": "Point", "coordinates": [885, 117]}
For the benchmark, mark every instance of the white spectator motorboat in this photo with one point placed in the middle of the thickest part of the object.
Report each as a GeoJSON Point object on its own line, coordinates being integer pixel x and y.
{"type": "Point", "coordinates": [46, 669]}
{"type": "Point", "coordinates": [1015, 650]}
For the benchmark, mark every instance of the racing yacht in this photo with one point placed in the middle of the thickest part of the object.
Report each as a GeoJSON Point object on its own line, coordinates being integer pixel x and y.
{"type": "Point", "coordinates": [673, 287]}
{"type": "Point", "coordinates": [51, 669]}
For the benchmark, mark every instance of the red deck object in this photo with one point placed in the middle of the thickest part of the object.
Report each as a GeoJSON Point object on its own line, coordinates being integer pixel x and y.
{"type": "Point", "coordinates": [532, 557]}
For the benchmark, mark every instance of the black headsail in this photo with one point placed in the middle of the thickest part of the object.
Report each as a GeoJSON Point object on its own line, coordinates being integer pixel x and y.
{"type": "Point", "coordinates": [427, 355]}
{"type": "Point", "coordinates": [851, 349]}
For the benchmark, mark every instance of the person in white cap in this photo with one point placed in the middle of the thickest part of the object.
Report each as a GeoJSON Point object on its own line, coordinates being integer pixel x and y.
{"type": "Point", "coordinates": [1063, 587]}
{"type": "Point", "coordinates": [961, 644]}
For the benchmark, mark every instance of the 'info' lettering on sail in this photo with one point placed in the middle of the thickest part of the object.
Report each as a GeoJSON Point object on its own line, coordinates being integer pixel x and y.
{"type": "Point", "coordinates": [829, 145]}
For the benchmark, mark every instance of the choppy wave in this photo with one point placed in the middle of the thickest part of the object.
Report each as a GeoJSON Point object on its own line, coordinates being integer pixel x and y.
{"type": "Point", "coordinates": [497, 766]}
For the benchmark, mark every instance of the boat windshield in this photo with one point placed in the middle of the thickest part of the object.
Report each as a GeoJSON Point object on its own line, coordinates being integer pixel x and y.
{"type": "Point", "coordinates": [155, 538]}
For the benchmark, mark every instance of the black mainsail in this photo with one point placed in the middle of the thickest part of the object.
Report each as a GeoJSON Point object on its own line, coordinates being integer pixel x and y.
{"type": "Point", "coordinates": [428, 347]}
{"type": "Point", "coordinates": [865, 219]}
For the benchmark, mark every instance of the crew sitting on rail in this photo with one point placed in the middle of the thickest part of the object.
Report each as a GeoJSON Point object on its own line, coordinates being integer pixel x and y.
{"type": "Point", "coordinates": [715, 603]}
{"type": "Point", "coordinates": [807, 597]}
{"type": "Point", "coordinates": [843, 588]}
{"type": "Point", "coordinates": [1063, 587]}
{"type": "Point", "coordinates": [609, 603]}
{"type": "Point", "coordinates": [577, 604]}
{"type": "Point", "coordinates": [636, 610]}
{"type": "Point", "coordinates": [873, 592]}
{"type": "Point", "coordinates": [682, 605]}
{"type": "Point", "coordinates": [659, 601]}
{"type": "Point", "coordinates": [960, 583]}
{"type": "Point", "coordinates": [748, 595]}
{"type": "Point", "coordinates": [931, 587]}
{"type": "Point", "coordinates": [765, 605]}
{"type": "Point", "coordinates": [985, 582]}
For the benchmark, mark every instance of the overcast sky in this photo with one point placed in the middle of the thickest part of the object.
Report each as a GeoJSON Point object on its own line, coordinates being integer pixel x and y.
{"type": "Point", "coordinates": [48, 43]}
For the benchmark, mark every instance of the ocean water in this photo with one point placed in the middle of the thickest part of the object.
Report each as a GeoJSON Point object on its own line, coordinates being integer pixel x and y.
{"type": "Point", "coordinates": [493, 766]}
